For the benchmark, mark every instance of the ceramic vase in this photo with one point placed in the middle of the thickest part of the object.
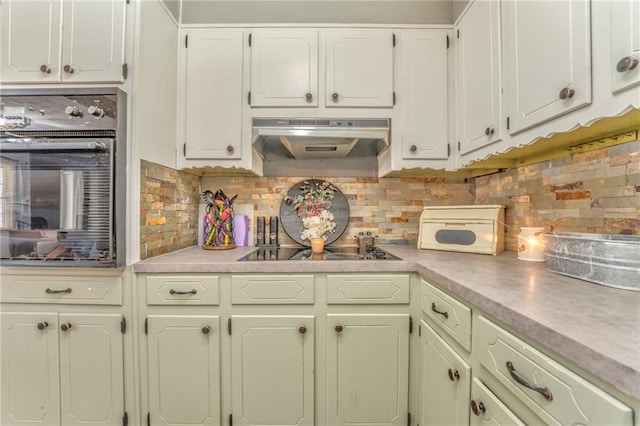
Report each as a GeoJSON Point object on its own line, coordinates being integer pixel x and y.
{"type": "Point", "coordinates": [317, 245]}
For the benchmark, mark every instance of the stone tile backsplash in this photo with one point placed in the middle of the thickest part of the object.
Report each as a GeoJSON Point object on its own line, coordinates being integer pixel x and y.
{"type": "Point", "coordinates": [594, 192]}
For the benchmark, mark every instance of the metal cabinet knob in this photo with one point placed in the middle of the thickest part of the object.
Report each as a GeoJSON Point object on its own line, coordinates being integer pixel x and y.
{"type": "Point", "coordinates": [308, 97]}
{"type": "Point", "coordinates": [489, 131]}
{"type": "Point", "coordinates": [566, 93]}
{"type": "Point", "coordinates": [69, 69]}
{"type": "Point", "coordinates": [477, 407]}
{"type": "Point", "coordinates": [66, 326]}
{"type": "Point", "coordinates": [42, 325]}
{"type": "Point", "coordinates": [45, 69]}
{"type": "Point", "coordinates": [334, 96]}
{"type": "Point", "coordinates": [413, 148]}
{"type": "Point", "coordinates": [206, 329]}
{"type": "Point", "coordinates": [625, 64]}
{"type": "Point", "coordinates": [302, 329]}
{"type": "Point", "coordinates": [230, 149]}
{"type": "Point", "coordinates": [339, 328]}
{"type": "Point", "coordinates": [454, 375]}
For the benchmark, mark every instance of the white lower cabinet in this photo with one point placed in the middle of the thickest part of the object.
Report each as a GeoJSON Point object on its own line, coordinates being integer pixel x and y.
{"type": "Point", "coordinates": [444, 381]}
{"type": "Point", "coordinates": [487, 409]}
{"type": "Point", "coordinates": [272, 370]}
{"type": "Point", "coordinates": [184, 369]}
{"type": "Point", "coordinates": [367, 369]}
{"type": "Point", "coordinates": [62, 369]}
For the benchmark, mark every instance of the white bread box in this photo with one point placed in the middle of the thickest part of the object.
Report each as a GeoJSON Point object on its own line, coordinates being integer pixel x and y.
{"type": "Point", "coordinates": [472, 229]}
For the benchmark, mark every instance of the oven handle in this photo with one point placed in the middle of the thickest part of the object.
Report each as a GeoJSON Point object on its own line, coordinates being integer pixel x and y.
{"type": "Point", "coordinates": [53, 146]}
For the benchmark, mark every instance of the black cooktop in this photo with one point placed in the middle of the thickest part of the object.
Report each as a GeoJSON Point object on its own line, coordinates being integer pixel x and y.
{"type": "Point", "coordinates": [330, 253]}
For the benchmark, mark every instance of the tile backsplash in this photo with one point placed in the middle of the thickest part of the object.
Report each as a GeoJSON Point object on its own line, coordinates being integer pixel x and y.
{"type": "Point", "coordinates": [595, 192]}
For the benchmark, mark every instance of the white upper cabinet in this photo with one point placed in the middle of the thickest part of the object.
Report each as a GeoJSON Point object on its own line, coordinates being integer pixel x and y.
{"type": "Point", "coordinates": [478, 77]}
{"type": "Point", "coordinates": [423, 94]}
{"type": "Point", "coordinates": [213, 98]}
{"type": "Point", "coordinates": [625, 45]}
{"type": "Point", "coordinates": [547, 60]}
{"type": "Point", "coordinates": [71, 41]}
{"type": "Point", "coordinates": [359, 68]}
{"type": "Point", "coordinates": [284, 68]}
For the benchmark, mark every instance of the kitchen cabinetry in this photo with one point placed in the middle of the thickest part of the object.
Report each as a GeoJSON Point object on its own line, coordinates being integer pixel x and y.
{"type": "Point", "coordinates": [423, 95]}
{"type": "Point", "coordinates": [62, 364]}
{"type": "Point", "coordinates": [547, 60]}
{"type": "Point", "coordinates": [367, 369]}
{"type": "Point", "coordinates": [272, 369]}
{"type": "Point", "coordinates": [625, 45]}
{"type": "Point", "coordinates": [55, 41]}
{"type": "Point", "coordinates": [210, 113]}
{"type": "Point", "coordinates": [357, 67]}
{"type": "Point", "coordinates": [284, 67]}
{"type": "Point", "coordinates": [184, 369]}
{"type": "Point", "coordinates": [478, 77]}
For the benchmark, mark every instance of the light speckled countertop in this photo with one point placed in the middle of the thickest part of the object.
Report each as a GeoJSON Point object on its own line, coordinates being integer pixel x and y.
{"type": "Point", "coordinates": [596, 327]}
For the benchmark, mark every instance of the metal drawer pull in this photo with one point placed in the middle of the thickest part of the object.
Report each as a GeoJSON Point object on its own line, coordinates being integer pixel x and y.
{"type": "Point", "coordinates": [206, 329]}
{"type": "Point", "coordinates": [339, 328]}
{"type": "Point", "coordinates": [49, 291]}
{"type": "Point", "coordinates": [445, 314]}
{"type": "Point", "coordinates": [625, 64]}
{"type": "Point", "coordinates": [42, 325]}
{"type": "Point", "coordinates": [566, 93]}
{"type": "Point", "coordinates": [454, 375]}
{"type": "Point", "coordinates": [477, 407]}
{"type": "Point", "coordinates": [192, 291]}
{"type": "Point", "coordinates": [542, 391]}
{"type": "Point", "coordinates": [302, 329]}
{"type": "Point", "coordinates": [65, 326]}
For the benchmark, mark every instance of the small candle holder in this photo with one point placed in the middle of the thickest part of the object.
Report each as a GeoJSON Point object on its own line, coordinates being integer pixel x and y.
{"type": "Point", "coordinates": [530, 244]}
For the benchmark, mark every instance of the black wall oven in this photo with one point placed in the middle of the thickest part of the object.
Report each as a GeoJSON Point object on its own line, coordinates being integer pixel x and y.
{"type": "Point", "coordinates": [62, 173]}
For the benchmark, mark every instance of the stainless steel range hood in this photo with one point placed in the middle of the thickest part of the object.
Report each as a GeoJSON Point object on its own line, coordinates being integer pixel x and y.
{"type": "Point", "coordinates": [277, 139]}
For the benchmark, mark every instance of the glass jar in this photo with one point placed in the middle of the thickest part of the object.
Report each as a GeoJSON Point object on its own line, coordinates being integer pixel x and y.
{"type": "Point", "coordinates": [530, 244]}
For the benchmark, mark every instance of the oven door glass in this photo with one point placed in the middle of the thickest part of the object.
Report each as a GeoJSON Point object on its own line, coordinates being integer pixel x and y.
{"type": "Point", "coordinates": [56, 201]}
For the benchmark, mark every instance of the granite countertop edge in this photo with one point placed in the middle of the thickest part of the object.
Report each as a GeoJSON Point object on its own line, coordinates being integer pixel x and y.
{"type": "Point", "coordinates": [595, 327]}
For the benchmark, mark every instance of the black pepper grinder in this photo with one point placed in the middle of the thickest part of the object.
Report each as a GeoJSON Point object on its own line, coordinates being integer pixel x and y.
{"type": "Point", "coordinates": [260, 231]}
{"type": "Point", "coordinates": [273, 231]}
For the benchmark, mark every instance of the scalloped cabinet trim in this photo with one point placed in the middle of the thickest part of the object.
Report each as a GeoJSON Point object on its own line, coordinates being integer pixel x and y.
{"type": "Point", "coordinates": [68, 290]}
{"type": "Point", "coordinates": [272, 289]}
{"type": "Point", "coordinates": [183, 290]}
{"type": "Point", "coordinates": [377, 288]}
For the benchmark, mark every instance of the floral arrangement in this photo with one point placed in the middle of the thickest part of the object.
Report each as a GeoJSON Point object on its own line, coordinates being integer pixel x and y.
{"type": "Point", "coordinates": [312, 207]}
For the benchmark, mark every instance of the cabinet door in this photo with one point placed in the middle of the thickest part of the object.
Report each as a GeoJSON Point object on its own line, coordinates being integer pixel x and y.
{"type": "Point", "coordinates": [213, 94]}
{"type": "Point", "coordinates": [91, 369]}
{"type": "Point", "coordinates": [487, 409]}
{"type": "Point", "coordinates": [30, 41]}
{"type": "Point", "coordinates": [547, 59]}
{"type": "Point", "coordinates": [424, 95]}
{"type": "Point", "coordinates": [93, 41]}
{"type": "Point", "coordinates": [284, 68]}
{"type": "Point", "coordinates": [184, 370]}
{"type": "Point", "coordinates": [359, 68]}
{"type": "Point", "coordinates": [30, 387]}
{"type": "Point", "coordinates": [625, 43]}
{"type": "Point", "coordinates": [272, 370]}
{"type": "Point", "coordinates": [479, 77]}
{"type": "Point", "coordinates": [445, 382]}
{"type": "Point", "coordinates": [367, 369]}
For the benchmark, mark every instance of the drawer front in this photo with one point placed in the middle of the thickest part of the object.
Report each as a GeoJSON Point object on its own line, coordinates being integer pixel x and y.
{"type": "Point", "coordinates": [368, 289]}
{"type": "Point", "coordinates": [456, 235]}
{"type": "Point", "coordinates": [272, 289]}
{"type": "Point", "coordinates": [183, 290]}
{"type": "Point", "coordinates": [489, 409]}
{"type": "Point", "coordinates": [562, 397]}
{"type": "Point", "coordinates": [62, 289]}
{"type": "Point", "coordinates": [454, 317]}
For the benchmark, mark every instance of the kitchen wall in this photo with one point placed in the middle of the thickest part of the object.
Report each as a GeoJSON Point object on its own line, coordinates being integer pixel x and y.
{"type": "Point", "coordinates": [595, 192]}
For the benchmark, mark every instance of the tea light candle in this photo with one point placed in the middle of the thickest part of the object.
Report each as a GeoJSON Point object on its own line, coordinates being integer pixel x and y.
{"type": "Point", "coordinates": [530, 244]}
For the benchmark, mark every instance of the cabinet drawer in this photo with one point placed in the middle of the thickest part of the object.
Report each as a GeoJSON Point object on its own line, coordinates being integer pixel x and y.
{"type": "Point", "coordinates": [183, 290]}
{"type": "Point", "coordinates": [454, 317]}
{"type": "Point", "coordinates": [271, 289]}
{"type": "Point", "coordinates": [62, 289]}
{"type": "Point", "coordinates": [570, 399]}
{"type": "Point", "coordinates": [368, 289]}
